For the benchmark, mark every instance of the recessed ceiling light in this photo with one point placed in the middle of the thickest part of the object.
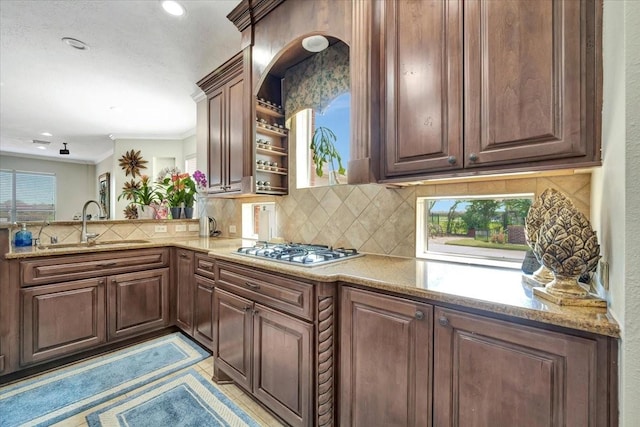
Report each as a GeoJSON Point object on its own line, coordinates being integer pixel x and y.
{"type": "Point", "coordinates": [46, 134]}
{"type": "Point", "coordinates": [173, 8]}
{"type": "Point", "coordinates": [315, 43]}
{"type": "Point", "coordinates": [75, 43]}
{"type": "Point", "coordinates": [115, 109]}
{"type": "Point", "coordinates": [42, 147]}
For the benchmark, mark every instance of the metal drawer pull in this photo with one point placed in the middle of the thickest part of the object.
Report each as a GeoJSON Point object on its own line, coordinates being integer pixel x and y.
{"type": "Point", "coordinates": [255, 312]}
{"type": "Point", "coordinates": [443, 321]}
{"type": "Point", "coordinates": [419, 315]}
{"type": "Point", "coordinates": [107, 264]}
{"type": "Point", "coordinates": [247, 308]}
{"type": "Point", "coordinates": [252, 285]}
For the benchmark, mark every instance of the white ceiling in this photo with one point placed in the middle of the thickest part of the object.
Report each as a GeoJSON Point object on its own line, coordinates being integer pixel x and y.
{"type": "Point", "coordinates": [141, 60]}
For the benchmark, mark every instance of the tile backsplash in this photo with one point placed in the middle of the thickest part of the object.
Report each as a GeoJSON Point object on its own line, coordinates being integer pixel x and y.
{"type": "Point", "coordinates": [69, 232]}
{"type": "Point", "coordinates": [376, 219]}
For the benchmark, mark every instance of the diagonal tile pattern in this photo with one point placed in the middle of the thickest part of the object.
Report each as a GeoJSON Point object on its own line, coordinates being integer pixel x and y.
{"type": "Point", "coordinates": [376, 219]}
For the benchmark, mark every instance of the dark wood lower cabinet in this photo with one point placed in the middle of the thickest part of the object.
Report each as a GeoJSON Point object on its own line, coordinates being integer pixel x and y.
{"type": "Point", "coordinates": [266, 352]}
{"type": "Point", "coordinates": [203, 312]}
{"type": "Point", "coordinates": [232, 336]}
{"type": "Point", "coordinates": [62, 319]}
{"type": "Point", "coordinates": [137, 302]}
{"type": "Point", "coordinates": [494, 373]}
{"type": "Point", "coordinates": [282, 370]}
{"type": "Point", "coordinates": [385, 361]}
{"type": "Point", "coordinates": [184, 262]}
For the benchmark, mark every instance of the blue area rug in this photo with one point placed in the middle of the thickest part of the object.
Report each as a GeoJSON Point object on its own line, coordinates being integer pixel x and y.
{"type": "Point", "coordinates": [52, 397]}
{"type": "Point", "coordinates": [186, 400]}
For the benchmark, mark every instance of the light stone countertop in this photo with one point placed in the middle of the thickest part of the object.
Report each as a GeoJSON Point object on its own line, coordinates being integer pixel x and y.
{"type": "Point", "coordinates": [489, 289]}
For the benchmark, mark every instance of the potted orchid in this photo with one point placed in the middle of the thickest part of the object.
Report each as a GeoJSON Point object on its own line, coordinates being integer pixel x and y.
{"type": "Point", "coordinates": [178, 190]}
{"type": "Point", "coordinates": [202, 184]}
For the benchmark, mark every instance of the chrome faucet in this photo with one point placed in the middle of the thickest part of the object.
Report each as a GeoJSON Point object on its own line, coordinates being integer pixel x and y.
{"type": "Point", "coordinates": [84, 236]}
{"type": "Point", "coordinates": [45, 223]}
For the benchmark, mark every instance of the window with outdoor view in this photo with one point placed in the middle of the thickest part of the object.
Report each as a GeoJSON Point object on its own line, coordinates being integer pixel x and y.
{"type": "Point", "coordinates": [27, 196]}
{"type": "Point", "coordinates": [473, 229]}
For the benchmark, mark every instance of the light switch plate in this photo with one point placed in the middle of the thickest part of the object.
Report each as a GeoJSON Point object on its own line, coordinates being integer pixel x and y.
{"type": "Point", "coordinates": [181, 227]}
{"type": "Point", "coordinates": [232, 229]}
{"type": "Point", "coordinates": [194, 227]}
{"type": "Point", "coordinates": [160, 229]}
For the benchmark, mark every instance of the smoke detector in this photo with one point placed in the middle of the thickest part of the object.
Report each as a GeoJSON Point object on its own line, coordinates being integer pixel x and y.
{"type": "Point", "coordinates": [64, 151]}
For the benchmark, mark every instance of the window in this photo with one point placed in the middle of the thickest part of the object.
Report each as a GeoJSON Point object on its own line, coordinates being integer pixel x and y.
{"type": "Point", "coordinates": [27, 196]}
{"type": "Point", "coordinates": [190, 164]}
{"type": "Point", "coordinates": [473, 229]}
{"type": "Point", "coordinates": [259, 221]}
{"type": "Point", "coordinates": [336, 118]}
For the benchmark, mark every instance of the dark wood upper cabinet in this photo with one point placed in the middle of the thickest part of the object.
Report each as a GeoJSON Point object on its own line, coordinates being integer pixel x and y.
{"type": "Point", "coordinates": [483, 86]}
{"type": "Point", "coordinates": [229, 112]}
{"type": "Point", "coordinates": [530, 92]}
{"type": "Point", "coordinates": [422, 79]}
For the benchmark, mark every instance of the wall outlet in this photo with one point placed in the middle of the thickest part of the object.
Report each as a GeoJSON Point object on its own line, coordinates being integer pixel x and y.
{"type": "Point", "coordinates": [181, 227]}
{"type": "Point", "coordinates": [160, 229]}
{"type": "Point", "coordinates": [232, 229]}
{"type": "Point", "coordinates": [194, 227]}
{"type": "Point", "coordinates": [603, 274]}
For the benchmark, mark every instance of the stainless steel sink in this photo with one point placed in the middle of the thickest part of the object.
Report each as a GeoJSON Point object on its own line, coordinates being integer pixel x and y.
{"type": "Point", "coordinates": [93, 244]}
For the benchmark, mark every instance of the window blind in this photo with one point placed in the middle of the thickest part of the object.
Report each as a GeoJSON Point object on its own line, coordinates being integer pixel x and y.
{"type": "Point", "coordinates": [27, 196]}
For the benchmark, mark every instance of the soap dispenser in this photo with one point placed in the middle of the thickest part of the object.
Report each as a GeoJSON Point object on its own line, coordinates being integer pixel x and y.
{"type": "Point", "coordinates": [23, 237]}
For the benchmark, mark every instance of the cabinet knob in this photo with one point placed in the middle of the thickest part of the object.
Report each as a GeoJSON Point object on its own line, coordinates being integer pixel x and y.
{"type": "Point", "coordinates": [247, 308]}
{"type": "Point", "coordinates": [443, 321]}
{"type": "Point", "coordinates": [255, 312]}
{"type": "Point", "coordinates": [452, 160]}
{"type": "Point", "coordinates": [473, 157]}
{"type": "Point", "coordinates": [419, 315]}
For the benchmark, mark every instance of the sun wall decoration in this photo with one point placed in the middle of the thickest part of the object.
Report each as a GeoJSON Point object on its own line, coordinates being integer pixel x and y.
{"type": "Point", "coordinates": [131, 162]}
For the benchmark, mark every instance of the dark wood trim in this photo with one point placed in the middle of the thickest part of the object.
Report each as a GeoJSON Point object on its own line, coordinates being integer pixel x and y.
{"type": "Point", "coordinates": [249, 12]}
{"type": "Point", "coordinates": [222, 74]}
{"type": "Point", "coordinates": [365, 95]}
{"type": "Point", "coordinates": [327, 355]}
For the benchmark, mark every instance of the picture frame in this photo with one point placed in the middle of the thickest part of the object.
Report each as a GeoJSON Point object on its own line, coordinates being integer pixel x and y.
{"type": "Point", "coordinates": [104, 194]}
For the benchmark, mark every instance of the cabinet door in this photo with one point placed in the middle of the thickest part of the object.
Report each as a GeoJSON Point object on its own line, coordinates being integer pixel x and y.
{"type": "Point", "coordinates": [385, 361]}
{"type": "Point", "coordinates": [138, 302]}
{"type": "Point", "coordinates": [525, 66]}
{"type": "Point", "coordinates": [282, 370]}
{"type": "Point", "coordinates": [62, 319]}
{"type": "Point", "coordinates": [494, 373]}
{"type": "Point", "coordinates": [184, 290]}
{"type": "Point", "coordinates": [203, 314]}
{"type": "Point", "coordinates": [217, 136]}
{"type": "Point", "coordinates": [422, 77]}
{"type": "Point", "coordinates": [232, 336]}
{"type": "Point", "coordinates": [236, 120]}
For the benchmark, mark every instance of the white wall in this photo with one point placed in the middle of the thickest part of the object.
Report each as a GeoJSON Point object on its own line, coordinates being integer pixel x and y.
{"type": "Point", "coordinates": [148, 150]}
{"type": "Point", "coordinates": [202, 134]}
{"type": "Point", "coordinates": [189, 148]}
{"type": "Point", "coordinates": [76, 183]}
{"type": "Point", "coordinates": [615, 189]}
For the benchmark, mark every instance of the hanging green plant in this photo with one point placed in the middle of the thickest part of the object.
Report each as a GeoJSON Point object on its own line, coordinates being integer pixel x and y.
{"type": "Point", "coordinates": [325, 151]}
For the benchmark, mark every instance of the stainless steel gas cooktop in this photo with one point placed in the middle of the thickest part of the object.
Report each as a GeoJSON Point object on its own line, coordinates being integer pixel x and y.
{"type": "Point", "coordinates": [297, 253]}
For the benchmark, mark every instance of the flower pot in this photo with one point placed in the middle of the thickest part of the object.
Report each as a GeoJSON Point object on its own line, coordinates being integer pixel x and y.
{"type": "Point", "coordinates": [176, 212]}
{"type": "Point", "coordinates": [188, 212]}
{"type": "Point", "coordinates": [146, 212]}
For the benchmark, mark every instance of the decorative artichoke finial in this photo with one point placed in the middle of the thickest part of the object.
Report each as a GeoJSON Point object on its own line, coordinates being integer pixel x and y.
{"type": "Point", "coordinates": [567, 245]}
{"type": "Point", "coordinates": [547, 203]}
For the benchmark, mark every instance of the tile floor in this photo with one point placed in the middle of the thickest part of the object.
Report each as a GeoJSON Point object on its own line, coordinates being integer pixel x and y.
{"type": "Point", "coordinates": [240, 398]}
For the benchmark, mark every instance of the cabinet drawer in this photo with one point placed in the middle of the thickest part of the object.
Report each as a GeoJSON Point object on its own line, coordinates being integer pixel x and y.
{"type": "Point", "coordinates": [277, 292]}
{"type": "Point", "coordinates": [205, 266]}
{"type": "Point", "coordinates": [50, 270]}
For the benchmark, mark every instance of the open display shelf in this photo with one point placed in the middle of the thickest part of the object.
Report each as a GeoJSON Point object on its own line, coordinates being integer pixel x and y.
{"type": "Point", "coordinates": [271, 149]}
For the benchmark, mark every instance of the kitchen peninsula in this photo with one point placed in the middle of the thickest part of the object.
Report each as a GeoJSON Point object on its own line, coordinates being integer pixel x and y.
{"type": "Point", "coordinates": [413, 312]}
